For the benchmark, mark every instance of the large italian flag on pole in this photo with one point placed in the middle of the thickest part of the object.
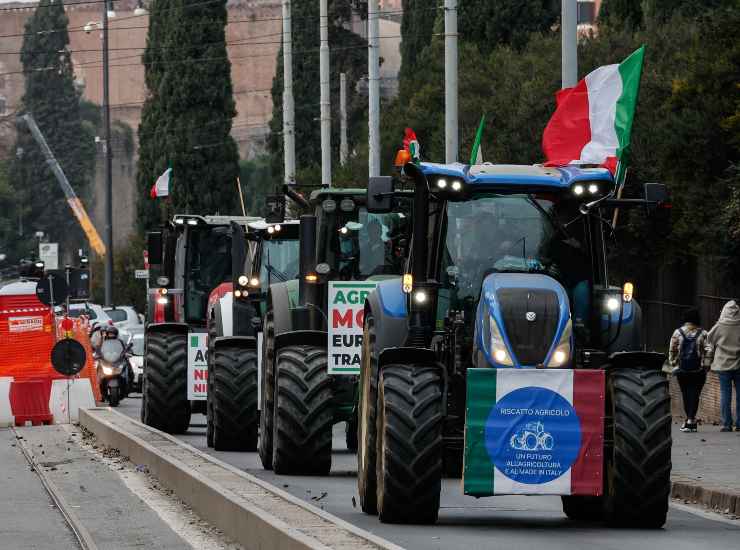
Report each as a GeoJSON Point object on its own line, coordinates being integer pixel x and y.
{"type": "Point", "coordinates": [593, 120]}
{"type": "Point", "coordinates": [534, 432]}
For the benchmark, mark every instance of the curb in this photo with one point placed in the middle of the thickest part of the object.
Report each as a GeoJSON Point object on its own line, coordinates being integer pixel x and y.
{"type": "Point", "coordinates": [251, 525]}
{"type": "Point", "coordinates": [719, 500]}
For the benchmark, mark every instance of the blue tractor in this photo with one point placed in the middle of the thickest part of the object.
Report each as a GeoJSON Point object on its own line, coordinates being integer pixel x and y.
{"type": "Point", "coordinates": [508, 275]}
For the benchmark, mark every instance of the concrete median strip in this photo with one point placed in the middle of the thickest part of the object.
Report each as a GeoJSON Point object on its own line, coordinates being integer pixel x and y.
{"type": "Point", "coordinates": [252, 512]}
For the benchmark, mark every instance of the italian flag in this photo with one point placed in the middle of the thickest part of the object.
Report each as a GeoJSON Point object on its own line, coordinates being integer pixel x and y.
{"type": "Point", "coordinates": [161, 187]}
{"type": "Point", "coordinates": [593, 120]}
{"type": "Point", "coordinates": [534, 432]}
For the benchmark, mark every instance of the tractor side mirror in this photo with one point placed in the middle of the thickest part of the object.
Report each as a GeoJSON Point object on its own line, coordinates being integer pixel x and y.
{"type": "Point", "coordinates": [658, 206]}
{"type": "Point", "coordinates": [154, 247]}
{"type": "Point", "coordinates": [380, 195]}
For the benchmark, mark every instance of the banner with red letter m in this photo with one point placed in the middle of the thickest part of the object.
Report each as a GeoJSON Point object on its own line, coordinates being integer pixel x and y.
{"type": "Point", "coordinates": [346, 315]}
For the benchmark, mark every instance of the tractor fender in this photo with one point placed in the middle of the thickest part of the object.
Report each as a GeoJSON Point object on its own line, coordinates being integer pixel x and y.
{"type": "Point", "coordinates": [643, 360]}
{"type": "Point", "coordinates": [278, 301]}
{"type": "Point", "coordinates": [387, 303]}
{"type": "Point", "coordinates": [300, 338]}
{"type": "Point", "coordinates": [184, 328]}
{"type": "Point", "coordinates": [242, 342]}
{"type": "Point", "coordinates": [221, 314]}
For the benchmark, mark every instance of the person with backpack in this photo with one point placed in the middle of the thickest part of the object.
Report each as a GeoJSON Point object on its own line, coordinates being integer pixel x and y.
{"type": "Point", "coordinates": [724, 344]}
{"type": "Point", "coordinates": [688, 355]}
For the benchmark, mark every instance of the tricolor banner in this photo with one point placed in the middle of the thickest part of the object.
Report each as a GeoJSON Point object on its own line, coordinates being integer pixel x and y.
{"type": "Point", "coordinates": [534, 432]}
{"type": "Point", "coordinates": [592, 123]}
{"type": "Point", "coordinates": [161, 187]}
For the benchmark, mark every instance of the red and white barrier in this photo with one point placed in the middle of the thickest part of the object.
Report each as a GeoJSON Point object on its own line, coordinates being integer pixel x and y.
{"type": "Point", "coordinates": [43, 401]}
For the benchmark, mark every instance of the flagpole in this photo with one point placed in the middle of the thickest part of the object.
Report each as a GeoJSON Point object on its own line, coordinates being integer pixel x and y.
{"type": "Point", "coordinates": [241, 196]}
{"type": "Point", "coordinates": [569, 37]}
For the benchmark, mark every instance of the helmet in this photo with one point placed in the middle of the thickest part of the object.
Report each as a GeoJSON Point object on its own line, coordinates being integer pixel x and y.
{"type": "Point", "coordinates": [111, 331]}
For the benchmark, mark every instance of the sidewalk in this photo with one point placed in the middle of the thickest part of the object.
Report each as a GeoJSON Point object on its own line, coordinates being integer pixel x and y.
{"type": "Point", "coordinates": [28, 519]}
{"type": "Point", "coordinates": [706, 468]}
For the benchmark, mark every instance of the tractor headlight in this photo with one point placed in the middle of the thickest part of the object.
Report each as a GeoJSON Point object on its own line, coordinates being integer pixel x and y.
{"type": "Point", "coordinates": [562, 352]}
{"type": "Point", "coordinates": [254, 282]}
{"type": "Point", "coordinates": [612, 303]}
{"type": "Point", "coordinates": [456, 185]}
{"type": "Point", "coordinates": [578, 190]}
{"type": "Point", "coordinates": [420, 297]}
{"type": "Point", "coordinates": [243, 280]}
{"type": "Point", "coordinates": [593, 188]}
{"type": "Point", "coordinates": [499, 352]}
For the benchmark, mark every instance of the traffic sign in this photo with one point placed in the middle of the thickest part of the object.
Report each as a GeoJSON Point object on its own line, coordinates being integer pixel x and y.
{"type": "Point", "coordinates": [52, 290]}
{"type": "Point", "coordinates": [68, 357]}
{"type": "Point", "coordinates": [141, 274]}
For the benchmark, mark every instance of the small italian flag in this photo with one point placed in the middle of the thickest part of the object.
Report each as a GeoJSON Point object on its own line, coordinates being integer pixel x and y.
{"type": "Point", "coordinates": [476, 156]}
{"type": "Point", "coordinates": [161, 187]}
{"type": "Point", "coordinates": [534, 432]}
{"type": "Point", "coordinates": [592, 122]}
{"type": "Point", "coordinates": [411, 144]}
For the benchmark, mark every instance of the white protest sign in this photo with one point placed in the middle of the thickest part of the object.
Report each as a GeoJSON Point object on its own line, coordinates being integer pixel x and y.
{"type": "Point", "coordinates": [346, 314]}
{"type": "Point", "coordinates": [197, 366]}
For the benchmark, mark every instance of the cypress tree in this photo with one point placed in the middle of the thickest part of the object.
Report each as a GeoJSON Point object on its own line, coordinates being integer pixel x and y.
{"type": "Point", "coordinates": [51, 98]}
{"type": "Point", "coordinates": [189, 111]}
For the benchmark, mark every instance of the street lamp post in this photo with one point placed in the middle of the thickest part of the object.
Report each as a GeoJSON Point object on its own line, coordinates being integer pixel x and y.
{"type": "Point", "coordinates": [108, 167]}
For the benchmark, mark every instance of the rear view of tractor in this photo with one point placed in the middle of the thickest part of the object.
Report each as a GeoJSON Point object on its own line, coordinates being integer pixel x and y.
{"type": "Point", "coordinates": [505, 343]}
{"type": "Point", "coordinates": [265, 253]}
{"type": "Point", "coordinates": [313, 329]}
{"type": "Point", "coordinates": [190, 258]}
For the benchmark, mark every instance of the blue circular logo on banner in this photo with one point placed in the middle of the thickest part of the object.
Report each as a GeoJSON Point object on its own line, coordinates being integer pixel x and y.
{"type": "Point", "coordinates": [533, 435]}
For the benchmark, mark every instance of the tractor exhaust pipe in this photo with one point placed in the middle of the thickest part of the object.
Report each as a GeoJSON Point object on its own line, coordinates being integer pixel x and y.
{"type": "Point", "coordinates": [308, 291]}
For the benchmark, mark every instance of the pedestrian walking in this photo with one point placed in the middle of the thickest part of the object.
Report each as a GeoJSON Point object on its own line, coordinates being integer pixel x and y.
{"type": "Point", "coordinates": [724, 349]}
{"type": "Point", "coordinates": [688, 355]}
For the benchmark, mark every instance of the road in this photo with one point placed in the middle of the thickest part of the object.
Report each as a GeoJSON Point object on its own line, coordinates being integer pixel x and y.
{"type": "Point", "coordinates": [464, 522]}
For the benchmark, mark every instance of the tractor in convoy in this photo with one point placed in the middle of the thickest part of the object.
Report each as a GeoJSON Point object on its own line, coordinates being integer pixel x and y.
{"type": "Point", "coordinates": [190, 259]}
{"type": "Point", "coordinates": [313, 328]}
{"type": "Point", "coordinates": [235, 312]}
{"type": "Point", "coordinates": [503, 353]}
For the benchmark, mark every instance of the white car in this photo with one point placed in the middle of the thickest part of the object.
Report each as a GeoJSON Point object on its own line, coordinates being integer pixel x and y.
{"type": "Point", "coordinates": [94, 313]}
{"type": "Point", "coordinates": [124, 316]}
{"type": "Point", "coordinates": [137, 359]}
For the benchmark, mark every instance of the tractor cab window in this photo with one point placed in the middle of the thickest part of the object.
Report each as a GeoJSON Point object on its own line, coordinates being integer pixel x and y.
{"type": "Point", "coordinates": [358, 244]}
{"type": "Point", "coordinates": [208, 265]}
{"type": "Point", "coordinates": [280, 261]}
{"type": "Point", "coordinates": [512, 234]}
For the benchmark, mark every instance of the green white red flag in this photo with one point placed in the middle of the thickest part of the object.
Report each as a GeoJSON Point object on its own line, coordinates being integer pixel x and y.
{"type": "Point", "coordinates": [161, 187]}
{"type": "Point", "coordinates": [593, 120]}
{"type": "Point", "coordinates": [476, 156]}
{"type": "Point", "coordinates": [411, 144]}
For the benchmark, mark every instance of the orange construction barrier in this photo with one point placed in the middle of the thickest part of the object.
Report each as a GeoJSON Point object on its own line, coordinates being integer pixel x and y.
{"type": "Point", "coordinates": [30, 389]}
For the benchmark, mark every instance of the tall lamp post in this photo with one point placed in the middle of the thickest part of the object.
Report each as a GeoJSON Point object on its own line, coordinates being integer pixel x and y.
{"type": "Point", "coordinates": [108, 166]}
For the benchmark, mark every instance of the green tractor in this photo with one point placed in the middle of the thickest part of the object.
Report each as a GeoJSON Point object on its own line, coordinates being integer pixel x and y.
{"type": "Point", "coordinates": [505, 355]}
{"type": "Point", "coordinates": [263, 254]}
{"type": "Point", "coordinates": [313, 328]}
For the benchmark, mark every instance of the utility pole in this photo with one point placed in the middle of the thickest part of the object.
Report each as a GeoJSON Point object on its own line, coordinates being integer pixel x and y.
{"type": "Point", "coordinates": [107, 150]}
{"type": "Point", "coordinates": [373, 80]}
{"type": "Point", "coordinates": [569, 35]}
{"type": "Point", "coordinates": [288, 103]}
{"type": "Point", "coordinates": [343, 145]}
{"type": "Point", "coordinates": [325, 95]}
{"type": "Point", "coordinates": [451, 123]}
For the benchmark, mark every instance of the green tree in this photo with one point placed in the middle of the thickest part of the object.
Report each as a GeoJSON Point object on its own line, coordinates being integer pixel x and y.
{"type": "Point", "coordinates": [348, 55]}
{"type": "Point", "coordinates": [621, 12]}
{"type": "Point", "coordinates": [417, 27]}
{"type": "Point", "coordinates": [257, 182]}
{"type": "Point", "coordinates": [189, 111]}
{"type": "Point", "coordinates": [50, 96]}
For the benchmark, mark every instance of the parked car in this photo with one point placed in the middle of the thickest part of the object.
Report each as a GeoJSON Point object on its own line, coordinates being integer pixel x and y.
{"type": "Point", "coordinates": [94, 313]}
{"type": "Point", "coordinates": [135, 337]}
{"type": "Point", "coordinates": [124, 316]}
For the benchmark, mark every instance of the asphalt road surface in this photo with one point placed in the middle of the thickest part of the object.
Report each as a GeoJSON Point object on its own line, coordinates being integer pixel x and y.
{"type": "Point", "coordinates": [512, 523]}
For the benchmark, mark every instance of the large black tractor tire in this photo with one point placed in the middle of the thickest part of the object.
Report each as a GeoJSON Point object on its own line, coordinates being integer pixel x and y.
{"type": "Point", "coordinates": [267, 391]}
{"type": "Point", "coordinates": [409, 444]}
{"type": "Point", "coordinates": [304, 412]}
{"type": "Point", "coordinates": [366, 419]}
{"type": "Point", "coordinates": [234, 399]}
{"type": "Point", "coordinates": [583, 508]}
{"type": "Point", "coordinates": [212, 335]}
{"type": "Point", "coordinates": [638, 470]}
{"type": "Point", "coordinates": [165, 402]}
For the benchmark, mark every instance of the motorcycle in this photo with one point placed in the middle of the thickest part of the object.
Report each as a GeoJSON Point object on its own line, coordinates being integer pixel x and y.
{"type": "Point", "coordinates": [113, 370]}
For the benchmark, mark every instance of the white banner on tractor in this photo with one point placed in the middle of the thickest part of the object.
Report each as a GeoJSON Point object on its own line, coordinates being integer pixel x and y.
{"type": "Point", "coordinates": [197, 366]}
{"type": "Point", "coordinates": [346, 315]}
